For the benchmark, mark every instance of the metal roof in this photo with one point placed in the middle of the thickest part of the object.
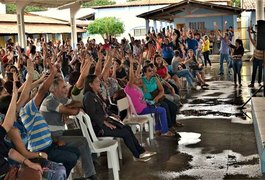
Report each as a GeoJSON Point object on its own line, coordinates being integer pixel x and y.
{"type": "Point", "coordinates": [169, 12]}
{"type": "Point", "coordinates": [45, 3]}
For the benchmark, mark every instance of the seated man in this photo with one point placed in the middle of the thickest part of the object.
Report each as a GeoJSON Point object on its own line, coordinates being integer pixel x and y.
{"type": "Point", "coordinates": [55, 108]}
{"type": "Point", "coordinates": [32, 129]}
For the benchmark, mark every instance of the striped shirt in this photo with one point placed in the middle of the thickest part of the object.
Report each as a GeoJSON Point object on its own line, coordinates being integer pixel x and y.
{"type": "Point", "coordinates": [36, 126]}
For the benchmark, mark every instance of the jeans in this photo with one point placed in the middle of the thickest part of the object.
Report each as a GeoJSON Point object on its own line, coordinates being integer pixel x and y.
{"type": "Point", "coordinates": [128, 137]}
{"type": "Point", "coordinates": [222, 58]}
{"type": "Point", "coordinates": [59, 153]}
{"type": "Point", "coordinates": [55, 171]}
{"type": "Point", "coordinates": [171, 109]}
{"type": "Point", "coordinates": [161, 113]}
{"type": "Point", "coordinates": [257, 64]}
{"type": "Point", "coordinates": [85, 154]}
{"type": "Point", "coordinates": [185, 73]}
{"type": "Point", "coordinates": [237, 65]}
{"type": "Point", "coordinates": [206, 58]}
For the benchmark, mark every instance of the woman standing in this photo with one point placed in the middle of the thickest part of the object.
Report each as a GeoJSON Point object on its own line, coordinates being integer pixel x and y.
{"type": "Point", "coordinates": [206, 50]}
{"type": "Point", "coordinates": [237, 54]}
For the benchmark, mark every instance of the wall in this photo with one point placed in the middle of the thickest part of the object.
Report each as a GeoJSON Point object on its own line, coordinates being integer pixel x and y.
{"type": "Point", "coordinates": [128, 16]}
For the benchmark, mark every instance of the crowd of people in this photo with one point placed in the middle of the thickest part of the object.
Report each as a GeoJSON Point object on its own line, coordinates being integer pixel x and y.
{"type": "Point", "coordinates": [46, 82]}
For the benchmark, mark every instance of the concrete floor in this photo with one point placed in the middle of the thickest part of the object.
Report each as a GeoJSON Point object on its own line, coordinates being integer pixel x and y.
{"type": "Point", "coordinates": [218, 140]}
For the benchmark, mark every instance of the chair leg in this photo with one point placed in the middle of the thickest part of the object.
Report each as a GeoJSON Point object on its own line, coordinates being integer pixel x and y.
{"type": "Point", "coordinates": [141, 133]}
{"type": "Point", "coordinates": [151, 128]}
{"type": "Point", "coordinates": [115, 163]}
{"type": "Point", "coordinates": [119, 148]}
{"type": "Point", "coordinates": [109, 160]}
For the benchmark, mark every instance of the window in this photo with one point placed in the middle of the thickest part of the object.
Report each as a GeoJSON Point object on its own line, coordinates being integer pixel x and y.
{"type": "Point", "coordinates": [139, 32]}
{"type": "Point", "coordinates": [197, 25]}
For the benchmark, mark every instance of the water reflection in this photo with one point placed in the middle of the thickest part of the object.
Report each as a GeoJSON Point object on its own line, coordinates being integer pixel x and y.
{"type": "Point", "coordinates": [189, 138]}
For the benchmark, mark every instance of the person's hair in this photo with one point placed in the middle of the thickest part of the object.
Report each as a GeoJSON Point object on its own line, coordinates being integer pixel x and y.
{"type": "Point", "coordinates": [176, 53]}
{"type": "Point", "coordinates": [147, 66]}
{"type": "Point", "coordinates": [4, 103]}
{"type": "Point", "coordinates": [73, 77]}
{"type": "Point", "coordinates": [239, 41]}
{"type": "Point", "coordinates": [55, 83]}
{"type": "Point", "coordinates": [90, 79]}
{"type": "Point", "coordinates": [118, 61]}
{"type": "Point", "coordinates": [205, 37]}
{"type": "Point", "coordinates": [161, 65]}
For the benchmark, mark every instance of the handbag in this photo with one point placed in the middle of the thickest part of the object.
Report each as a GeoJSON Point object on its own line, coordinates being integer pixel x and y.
{"type": "Point", "coordinates": [116, 122]}
{"type": "Point", "coordinates": [155, 93]}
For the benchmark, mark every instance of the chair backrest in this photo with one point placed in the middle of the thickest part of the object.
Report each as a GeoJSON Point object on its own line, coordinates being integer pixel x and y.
{"type": "Point", "coordinates": [122, 104]}
{"type": "Point", "coordinates": [87, 128]}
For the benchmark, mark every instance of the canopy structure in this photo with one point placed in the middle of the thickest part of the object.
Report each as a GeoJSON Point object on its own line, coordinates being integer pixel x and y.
{"type": "Point", "coordinates": [74, 6]}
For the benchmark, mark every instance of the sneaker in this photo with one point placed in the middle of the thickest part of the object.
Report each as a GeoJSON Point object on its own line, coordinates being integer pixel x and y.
{"type": "Point", "coordinates": [251, 85]}
{"type": "Point", "coordinates": [141, 159]}
{"type": "Point", "coordinates": [147, 154]}
{"type": "Point", "coordinates": [205, 85]}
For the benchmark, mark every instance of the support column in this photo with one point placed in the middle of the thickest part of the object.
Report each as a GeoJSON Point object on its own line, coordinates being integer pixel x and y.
{"type": "Point", "coordinates": [73, 10]}
{"type": "Point", "coordinates": [155, 26]}
{"type": "Point", "coordinates": [20, 5]}
{"type": "Point", "coordinates": [147, 28]}
{"type": "Point", "coordinates": [259, 10]}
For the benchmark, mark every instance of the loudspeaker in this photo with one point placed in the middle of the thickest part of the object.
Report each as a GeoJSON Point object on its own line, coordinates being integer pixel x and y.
{"type": "Point", "coordinates": [261, 35]}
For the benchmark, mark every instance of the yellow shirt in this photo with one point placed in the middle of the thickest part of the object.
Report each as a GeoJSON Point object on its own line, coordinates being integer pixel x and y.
{"type": "Point", "coordinates": [206, 46]}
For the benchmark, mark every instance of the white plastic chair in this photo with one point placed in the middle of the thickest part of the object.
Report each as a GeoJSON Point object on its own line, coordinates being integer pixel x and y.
{"type": "Point", "coordinates": [98, 146]}
{"type": "Point", "coordinates": [133, 118]}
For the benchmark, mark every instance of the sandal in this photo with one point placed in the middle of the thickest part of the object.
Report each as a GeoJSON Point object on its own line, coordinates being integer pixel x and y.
{"type": "Point", "coordinates": [168, 134]}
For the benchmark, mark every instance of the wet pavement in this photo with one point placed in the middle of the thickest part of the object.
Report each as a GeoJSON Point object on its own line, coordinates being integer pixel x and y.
{"type": "Point", "coordinates": [218, 139]}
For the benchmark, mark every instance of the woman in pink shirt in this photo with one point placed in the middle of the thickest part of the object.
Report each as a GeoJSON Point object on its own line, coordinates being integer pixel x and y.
{"type": "Point", "coordinates": [140, 104]}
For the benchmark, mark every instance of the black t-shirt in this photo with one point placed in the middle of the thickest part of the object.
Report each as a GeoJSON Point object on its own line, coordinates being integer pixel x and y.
{"type": "Point", "coordinates": [121, 73]}
{"type": "Point", "coordinates": [4, 166]}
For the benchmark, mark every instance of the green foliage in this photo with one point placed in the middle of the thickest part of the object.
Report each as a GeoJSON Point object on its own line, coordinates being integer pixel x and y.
{"type": "Point", "coordinates": [107, 26]}
{"type": "Point", "coordinates": [131, 0]}
{"type": "Point", "coordinates": [98, 3]}
{"type": "Point", "coordinates": [11, 9]}
{"type": "Point", "coordinates": [236, 3]}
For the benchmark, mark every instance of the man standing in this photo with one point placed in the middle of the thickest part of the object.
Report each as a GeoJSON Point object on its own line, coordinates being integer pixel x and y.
{"type": "Point", "coordinates": [224, 50]}
{"type": "Point", "coordinates": [55, 108]}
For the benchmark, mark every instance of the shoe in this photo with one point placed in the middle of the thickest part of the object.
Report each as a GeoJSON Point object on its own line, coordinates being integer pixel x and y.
{"type": "Point", "coordinates": [221, 73]}
{"type": "Point", "coordinates": [141, 159]}
{"type": "Point", "coordinates": [147, 154]}
{"type": "Point", "coordinates": [251, 85]}
{"type": "Point", "coordinates": [205, 85]}
{"type": "Point", "coordinates": [177, 135]}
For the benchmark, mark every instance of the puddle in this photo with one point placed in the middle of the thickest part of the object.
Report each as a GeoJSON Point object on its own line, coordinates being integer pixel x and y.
{"type": "Point", "coordinates": [188, 138]}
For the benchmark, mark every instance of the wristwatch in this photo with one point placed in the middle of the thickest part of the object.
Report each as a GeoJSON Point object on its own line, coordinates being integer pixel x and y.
{"type": "Point", "coordinates": [40, 154]}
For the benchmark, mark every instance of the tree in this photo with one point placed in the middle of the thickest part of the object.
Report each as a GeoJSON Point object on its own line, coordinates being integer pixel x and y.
{"type": "Point", "coordinates": [98, 3]}
{"type": "Point", "coordinates": [236, 3]}
{"type": "Point", "coordinates": [106, 27]}
{"type": "Point", "coordinates": [11, 9]}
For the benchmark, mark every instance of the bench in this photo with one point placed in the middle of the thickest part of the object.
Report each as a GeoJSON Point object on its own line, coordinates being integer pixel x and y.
{"type": "Point", "coordinates": [258, 114]}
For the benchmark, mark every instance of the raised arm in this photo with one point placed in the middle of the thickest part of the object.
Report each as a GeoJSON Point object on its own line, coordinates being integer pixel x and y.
{"type": "Point", "coordinates": [11, 114]}
{"type": "Point", "coordinates": [251, 39]}
{"type": "Point", "coordinates": [44, 88]}
{"type": "Point", "coordinates": [131, 73]}
{"type": "Point", "coordinates": [27, 86]}
{"type": "Point", "coordinates": [84, 72]}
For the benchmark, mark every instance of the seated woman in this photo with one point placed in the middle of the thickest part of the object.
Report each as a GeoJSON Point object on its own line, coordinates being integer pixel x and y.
{"type": "Point", "coordinates": [33, 169]}
{"type": "Point", "coordinates": [154, 91]}
{"type": "Point", "coordinates": [195, 67]}
{"type": "Point", "coordinates": [96, 108]}
{"type": "Point", "coordinates": [179, 68]}
{"type": "Point", "coordinates": [141, 107]}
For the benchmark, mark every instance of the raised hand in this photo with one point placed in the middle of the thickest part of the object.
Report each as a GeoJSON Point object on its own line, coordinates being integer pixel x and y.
{"type": "Point", "coordinates": [30, 67]}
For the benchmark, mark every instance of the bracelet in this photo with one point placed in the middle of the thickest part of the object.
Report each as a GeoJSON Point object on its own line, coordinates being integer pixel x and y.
{"type": "Point", "coordinates": [23, 162]}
